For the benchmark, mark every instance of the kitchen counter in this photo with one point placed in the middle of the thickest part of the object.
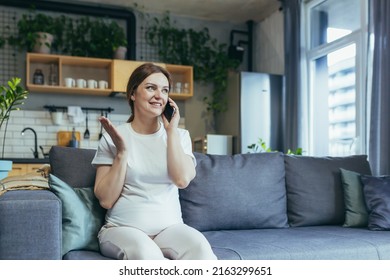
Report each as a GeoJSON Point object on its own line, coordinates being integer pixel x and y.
{"type": "Point", "coordinates": [29, 160]}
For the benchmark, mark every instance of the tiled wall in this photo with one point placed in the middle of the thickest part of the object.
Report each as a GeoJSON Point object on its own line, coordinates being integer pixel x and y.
{"type": "Point", "coordinates": [19, 146]}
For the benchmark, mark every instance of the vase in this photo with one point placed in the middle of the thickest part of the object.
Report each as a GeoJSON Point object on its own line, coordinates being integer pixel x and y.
{"type": "Point", "coordinates": [120, 53]}
{"type": "Point", "coordinates": [43, 43]}
{"type": "Point", "coordinates": [5, 167]}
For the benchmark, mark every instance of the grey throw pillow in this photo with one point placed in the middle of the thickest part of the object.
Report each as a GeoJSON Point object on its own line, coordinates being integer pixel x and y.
{"type": "Point", "coordinates": [356, 214]}
{"type": "Point", "coordinates": [243, 191]}
{"type": "Point", "coordinates": [377, 196]}
{"type": "Point", "coordinates": [314, 189]}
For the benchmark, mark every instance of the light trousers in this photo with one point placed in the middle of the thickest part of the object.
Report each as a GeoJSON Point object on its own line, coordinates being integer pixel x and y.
{"type": "Point", "coordinates": [177, 242]}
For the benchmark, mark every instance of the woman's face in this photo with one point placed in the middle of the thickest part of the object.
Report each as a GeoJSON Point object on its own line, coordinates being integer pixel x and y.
{"type": "Point", "coordinates": [151, 95]}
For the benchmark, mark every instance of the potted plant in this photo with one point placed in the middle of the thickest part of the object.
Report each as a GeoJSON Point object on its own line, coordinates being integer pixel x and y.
{"type": "Point", "coordinates": [36, 32]}
{"type": "Point", "coordinates": [11, 97]}
{"type": "Point", "coordinates": [209, 58]}
{"type": "Point", "coordinates": [118, 40]}
{"type": "Point", "coordinates": [94, 38]}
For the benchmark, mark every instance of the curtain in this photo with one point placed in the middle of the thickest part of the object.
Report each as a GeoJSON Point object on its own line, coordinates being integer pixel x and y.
{"type": "Point", "coordinates": [379, 134]}
{"type": "Point", "coordinates": [292, 57]}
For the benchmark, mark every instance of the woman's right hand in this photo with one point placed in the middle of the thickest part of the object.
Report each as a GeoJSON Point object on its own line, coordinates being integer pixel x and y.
{"type": "Point", "coordinates": [110, 178]}
{"type": "Point", "coordinates": [116, 137]}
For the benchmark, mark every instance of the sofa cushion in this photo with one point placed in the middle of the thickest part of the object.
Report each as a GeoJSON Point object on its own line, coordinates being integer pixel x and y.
{"type": "Point", "coordinates": [314, 192]}
{"type": "Point", "coordinates": [356, 214]}
{"type": "Point", "coordinates": [300, 243]}
{"type": "Point", "coordinates": [82, 216]}
{"type": "Point", "coordinates": [79, 171]}
{"type": "Point", "coordinates": [30, 225]}
{"type": "Point", "coordinates": [243, 191]}
{"type": "Point", "coordinates": [377, 196]}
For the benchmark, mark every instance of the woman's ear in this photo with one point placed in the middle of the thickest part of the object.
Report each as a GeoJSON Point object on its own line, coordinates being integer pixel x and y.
{"type": "Point", "coordinates": [132, 97]}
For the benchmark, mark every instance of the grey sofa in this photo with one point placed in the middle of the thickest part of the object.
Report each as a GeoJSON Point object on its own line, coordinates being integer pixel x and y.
{"type": "Point", "coordinates": [249, 206]}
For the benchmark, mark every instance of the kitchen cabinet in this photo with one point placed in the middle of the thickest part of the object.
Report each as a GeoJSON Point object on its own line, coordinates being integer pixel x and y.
{"type": "Point", "coordinates": [182, 74]}
{"type": "Point", "coordinates": [24, 168]}
{"type": "Point", "coordinates": [116, 72]}
{"type": "Point", "coordinates": [68, 67]}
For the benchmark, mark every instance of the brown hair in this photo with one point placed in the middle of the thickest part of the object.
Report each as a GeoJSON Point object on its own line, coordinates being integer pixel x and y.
{"type": "Point", "coordinates": [138, 76]}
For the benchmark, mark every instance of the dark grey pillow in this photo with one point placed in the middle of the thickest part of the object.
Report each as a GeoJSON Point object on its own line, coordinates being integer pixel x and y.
{"type": "Point", "coordinates": [356, 214]}
{"type": "Point", "coordinates": [377, 197]}
{"type": "Point", "coordinates": [314, 188]}
{"type": "Point", "coordinates": [73, 165]}
{"type": "Point", "coordinates": [243, 191]}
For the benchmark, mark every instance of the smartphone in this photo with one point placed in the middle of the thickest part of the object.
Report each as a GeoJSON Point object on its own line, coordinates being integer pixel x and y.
{"type": "Point", "coordinates": [169, 111]}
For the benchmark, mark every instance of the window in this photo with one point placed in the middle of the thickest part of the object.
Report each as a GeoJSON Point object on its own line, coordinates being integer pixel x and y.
{"type": "Point", "coordinates": [336, 33]}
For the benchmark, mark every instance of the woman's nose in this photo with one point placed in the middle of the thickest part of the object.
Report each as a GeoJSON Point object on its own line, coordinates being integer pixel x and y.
{"type": "Point", "coordinates": [158, 93]}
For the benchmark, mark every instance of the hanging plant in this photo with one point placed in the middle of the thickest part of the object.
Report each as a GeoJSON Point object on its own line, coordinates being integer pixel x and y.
{"type": "Point", "coordinates": [34, 26]}
{"type": "Point", "coordinates": [2, 42]}
{"type": "Point", "coordinates": [209, 58]}
{"type": "Point", "coordinates": [93, 37]}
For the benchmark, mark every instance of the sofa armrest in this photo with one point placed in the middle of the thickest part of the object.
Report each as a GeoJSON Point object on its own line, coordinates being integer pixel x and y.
{"type": "Point", "coordinates": [30, 225]}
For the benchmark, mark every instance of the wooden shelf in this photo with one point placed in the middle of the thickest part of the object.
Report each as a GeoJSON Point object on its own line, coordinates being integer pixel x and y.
{"type": "Point", "coordinates": [115, 72]}
{"type": "Point", "coordinates": [122, 70]}
{"type": "Point", "coordinates": [62, 89]}
{"type": "Point", "coordinates": [69, 66]}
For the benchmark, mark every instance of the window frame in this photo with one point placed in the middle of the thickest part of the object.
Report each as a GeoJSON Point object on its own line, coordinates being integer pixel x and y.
{"type": "Point", "coordinates": [357, 37]}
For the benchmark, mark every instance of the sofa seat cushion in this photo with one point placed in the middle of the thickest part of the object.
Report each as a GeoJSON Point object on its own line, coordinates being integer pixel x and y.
{"type": "Point", "coordinates": [84, 255]}
{"type": "Point", "coordinates": [243, 191]}
{"type": "Point", "coordinates": [301, 243]}
{"type": "Point", "coordinates": [314, 188]}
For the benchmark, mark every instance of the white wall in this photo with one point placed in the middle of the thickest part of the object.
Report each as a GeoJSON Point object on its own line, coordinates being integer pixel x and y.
{"type": "Point", "coordinates": [19, 146]}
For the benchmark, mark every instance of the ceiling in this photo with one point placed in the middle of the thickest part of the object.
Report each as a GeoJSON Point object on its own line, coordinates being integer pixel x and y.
{"type": "Point", "coordinates": [214, 10]}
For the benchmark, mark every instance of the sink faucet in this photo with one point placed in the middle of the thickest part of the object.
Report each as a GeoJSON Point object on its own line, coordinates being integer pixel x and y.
{"type": "Point", "coordinates": [35, 151]}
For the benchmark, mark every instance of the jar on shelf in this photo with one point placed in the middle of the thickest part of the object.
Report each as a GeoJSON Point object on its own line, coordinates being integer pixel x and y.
{"type": "Point", "coordinates": [53, 76]}
{"type": "Point", "coordinates": [178, 87]}
{"type": "Point", "coordinates": [38, 78]}
{"type": "Point", "coordinates": [186, 88]}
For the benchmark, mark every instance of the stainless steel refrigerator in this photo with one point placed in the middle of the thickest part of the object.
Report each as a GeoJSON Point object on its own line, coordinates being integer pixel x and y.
{"type": "Point", "coordinates": [254, 110]}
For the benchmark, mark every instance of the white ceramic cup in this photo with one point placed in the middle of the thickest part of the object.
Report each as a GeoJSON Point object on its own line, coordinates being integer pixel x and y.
{"type": "Point", "coordinates": [57, 118]}
{"type": "Point", "coordinates": [178, 87]}
{"type": "Point", "coordinates": [103, 84]}
{"type": "Point", "coordinates": [92, 84]}
{"type": "Point", "coordinates": [69, 82]}
{"type": "Point", "coordinates": [81, 83]}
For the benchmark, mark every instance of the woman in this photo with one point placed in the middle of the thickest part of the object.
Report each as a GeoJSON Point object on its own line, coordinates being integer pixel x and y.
{"type": "Point", "coordinates": [140, 167]}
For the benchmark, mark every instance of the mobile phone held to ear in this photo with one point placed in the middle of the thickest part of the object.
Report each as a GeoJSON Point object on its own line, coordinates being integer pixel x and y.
{"type": "Point", "coordinates": [169, 111]}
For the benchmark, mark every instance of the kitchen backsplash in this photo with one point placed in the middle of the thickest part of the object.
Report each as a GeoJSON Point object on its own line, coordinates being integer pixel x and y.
{"type": "Point", "coordinates": [22, 146]}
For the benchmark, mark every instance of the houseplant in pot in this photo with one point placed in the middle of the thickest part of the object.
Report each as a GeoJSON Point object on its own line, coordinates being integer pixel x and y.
{"type": "Point", "coordinates": [12, 96]}
{"type": "Point", "coordinates": [118, 41]}
{"type": "Point", "coordinates": [37, 32]}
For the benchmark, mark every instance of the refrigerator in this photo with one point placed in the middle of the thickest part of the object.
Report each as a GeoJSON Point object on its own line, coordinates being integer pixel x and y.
{"type": "Point", "coordinates": [254, 110]}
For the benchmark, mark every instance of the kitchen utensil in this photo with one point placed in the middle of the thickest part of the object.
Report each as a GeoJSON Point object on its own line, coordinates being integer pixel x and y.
{"type": "Point", "coordinates": [86, 133]}
{"type": "Point", "coordinates": [63, 137]}
{"type": "Point", "coordinates": [101, 128]}
{"type": "Point", "coordinates": [74, 143]}
{"type": "Point", "coordinates": [45, 154]}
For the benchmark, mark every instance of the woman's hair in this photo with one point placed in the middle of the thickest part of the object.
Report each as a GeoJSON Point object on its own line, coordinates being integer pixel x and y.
{"type": "Point", "coordinates": [138, 76]}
